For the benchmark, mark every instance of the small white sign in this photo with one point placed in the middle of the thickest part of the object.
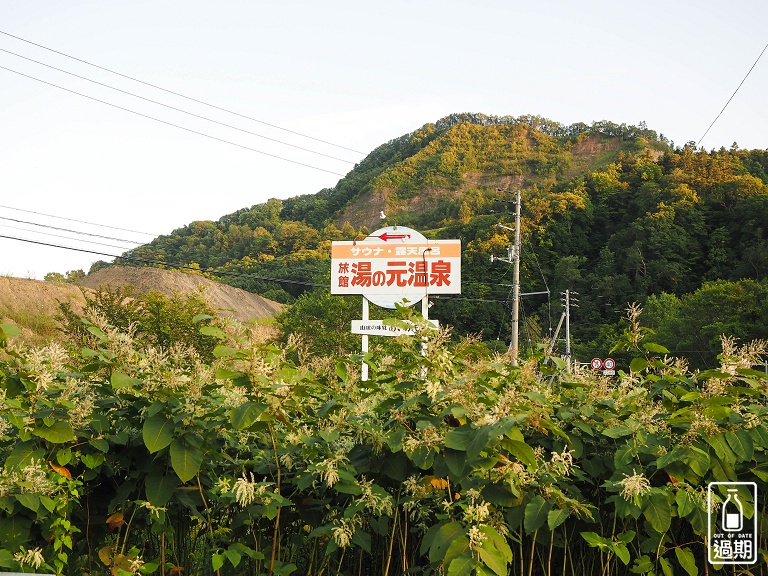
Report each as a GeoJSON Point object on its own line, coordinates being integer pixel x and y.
{"type": "Point", "coordinates": [732, 526]}
{"type": "Point", "coordinates": [378, 328]}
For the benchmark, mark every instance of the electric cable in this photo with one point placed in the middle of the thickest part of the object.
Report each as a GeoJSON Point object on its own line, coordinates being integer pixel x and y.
{"type": "Point", "coordinates": [72, 231]}
{"type": "Point", "coordinates": [179, 94]}
{"type": "Point", "coordinates": [168, 264]}
{"type": "Point", "coordinates": [64, 237]}
{"type": "Point", "coordinates": [732, 95]}
{"type": "Point", "coordinates": [549, 295]}
{"type": "Point", "coordinates": [79, 221]}
{"type": "Point", "coordinates": [178, 109]}
{"type": "Point", "coordinates": [171, 123]}
{"type": "Point", "coordinates": [212, 271]}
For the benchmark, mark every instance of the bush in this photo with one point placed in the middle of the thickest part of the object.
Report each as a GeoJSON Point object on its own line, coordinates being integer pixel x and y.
{"type": "Point", "coordinates": [145, 461]}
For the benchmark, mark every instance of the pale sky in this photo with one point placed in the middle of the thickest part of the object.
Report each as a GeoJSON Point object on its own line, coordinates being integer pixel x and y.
{"type": "Point", "coordinates": [353, 73]}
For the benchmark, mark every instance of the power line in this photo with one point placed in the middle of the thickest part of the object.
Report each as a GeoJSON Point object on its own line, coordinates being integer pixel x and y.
{"type": "Point", "coordinates": [168, 264]}
{"type": "Point", "coordinates": [179, 94]}
{"type": "Point", "coordinates": [66, 237]}
{"type": "Point", "coordinates": [732, 95]}
{"type": "Point", "coordinates": [171, 123]}
{"type": "Point", "coordinates": [212, 271]}
{"type": "Point", "coordinates": [68, 230]}
{"type": "Point", "coordinates": [177, 109]}
{"type": "Point", "coordinates": [79, 221]}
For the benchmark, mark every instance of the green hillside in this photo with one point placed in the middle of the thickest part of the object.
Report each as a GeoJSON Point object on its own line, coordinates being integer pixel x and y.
{"type": "Point", "coordinates": [614, 212]}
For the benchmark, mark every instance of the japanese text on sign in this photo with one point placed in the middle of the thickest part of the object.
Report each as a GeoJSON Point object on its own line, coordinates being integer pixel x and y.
{"type": "Point", "coordinates": [372, 268]}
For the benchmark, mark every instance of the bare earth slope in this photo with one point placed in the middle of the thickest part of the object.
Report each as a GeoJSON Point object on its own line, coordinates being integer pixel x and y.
{"type": "Point", "coordinates": [231, 301]}
{"type": "Point", "coordinates": [33, 305]}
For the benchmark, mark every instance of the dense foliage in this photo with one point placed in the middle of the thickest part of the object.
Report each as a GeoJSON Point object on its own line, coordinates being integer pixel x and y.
{"type": "Point", "coordinates": [614, 212]}
{"type": "Point", "coordinates": [131, 458]}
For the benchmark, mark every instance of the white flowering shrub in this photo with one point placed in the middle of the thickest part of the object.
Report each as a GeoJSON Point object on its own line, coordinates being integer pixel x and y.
{"type": "Point", "coordinates": [128, 458]}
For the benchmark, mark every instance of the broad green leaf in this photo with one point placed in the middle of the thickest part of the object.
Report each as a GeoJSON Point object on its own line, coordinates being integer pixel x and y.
{"type": "Point", "coordinates": [722, 449]}
{"type": "Point", "coordinates": [595, 540]}
{"type": "Point", "coordinates": [617, 432]}
{"type": "Point", "coordinates": [201, 317]}
{"type": "Point", "coordinates": [120, 380]}
{"type": "Point", "coordinates": [468, 439]}
{"type": "Point", "coordinates": [223, 351]}
{"type": "Point", "coordinates": [224, 374]}
{"type": "Point", "coordinates": [442, 538]}
{"type": "Point", "coordinates": [64, 456]}
{"type": "Point", "coordinates": [638, 364]}
{"type": "Point", "coordinates": [159, 488]}
{"type": "Point", "coordinates": [621, 553]}
{"type": "Point", "coordinates": [494, 551]}
{"type": "Point", "coordinates": [58, 433]}
{"type": "Point", "coordinates": [741, 443]}
{"type": "Point", "coordinates": [96, 331]}
{"type": "Point", "coordinates": [626, 537]}
{"type": "Point", "coordinates": [233, 556]}
{"type": "Point", "coordinates": [157, 433]}
{"type": "Point", "coordinates": [655, 348]}
{"type": "Point", "coordinates": [687, 560]}
{"type": "Point", "coordinates": [666, 567]}
{"type": "Point", "coordinates": [214, 331]}
{"type": "Point", "coordinates": [246, 414]}
{"type": "Point", "coordinates": [462, 565]}
{"type": "Point", "coordinates": [100, 444]}
{"type": "Point", "coordinates": [217, 561]}
{"type": "Point", "coordinates": [186, 460]}
{"type": "Point", "coordinates": [492, 558]}
{"type": "Point", "coordinates": [658, 511]}
{"type": "Point", "coordinates": [92, 461]}
{"type": "Point", "coordinates": [29, 500]}
{"type": "Point", "coordinates": [341, 371]}
{"type": "Point", "coordinates": [14, 531]}
{"type": "Point", "coordinates": [9, 330]}
{"type": "Point", "coordinates": [557, 517]}
{"type": "Point", "coordinates": [521, 451]}
{"type": "Point", "coordinates": [536, 513]}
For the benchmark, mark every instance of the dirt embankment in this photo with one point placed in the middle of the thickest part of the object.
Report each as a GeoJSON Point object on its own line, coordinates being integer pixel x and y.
{"type": "Point", "coordinates": [33, 304]}
{"type": "Point", "coordinates": [230, 301]}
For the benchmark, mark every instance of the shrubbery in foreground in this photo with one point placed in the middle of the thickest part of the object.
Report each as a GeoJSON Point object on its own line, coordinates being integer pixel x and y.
{"type": "Point", "coordinates": [124, 458]}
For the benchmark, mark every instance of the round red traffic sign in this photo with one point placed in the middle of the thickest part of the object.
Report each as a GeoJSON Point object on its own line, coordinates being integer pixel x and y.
{"type": "Point", "coordinates": [609, 364]}
{"type": "Point", "coordinates": [596, 363]}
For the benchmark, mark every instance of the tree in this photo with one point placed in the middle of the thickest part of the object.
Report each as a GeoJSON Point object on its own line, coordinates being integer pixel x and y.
{"type": "Point", "coordinates": [322, 321]}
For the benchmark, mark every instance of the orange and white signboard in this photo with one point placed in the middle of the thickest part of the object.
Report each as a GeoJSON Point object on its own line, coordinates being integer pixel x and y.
{"type": "Point", "coordinates": [396, 265]}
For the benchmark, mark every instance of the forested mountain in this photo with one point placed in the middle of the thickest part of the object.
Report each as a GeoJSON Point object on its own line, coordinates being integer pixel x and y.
{"type": "Point", "coordinates": [616, 213]}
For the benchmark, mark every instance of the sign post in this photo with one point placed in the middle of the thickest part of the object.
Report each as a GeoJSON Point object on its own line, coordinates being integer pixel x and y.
{"type": "Point", "coordinates": [395, 266]}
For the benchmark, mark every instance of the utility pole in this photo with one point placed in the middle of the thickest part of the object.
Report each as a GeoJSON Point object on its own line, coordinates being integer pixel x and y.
{"type": "Point", "coordinates": [514, 349]}
{"type": "Point", "coordinates": [568, 329]}
{"type": "Point", "coordinates": [568, 300]}
{"type": "Point", "coordinates": [513, 257]}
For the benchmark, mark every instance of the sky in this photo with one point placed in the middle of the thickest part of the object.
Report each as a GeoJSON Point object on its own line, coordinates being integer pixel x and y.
{"type": "Point", "coordinates": [315, 86]}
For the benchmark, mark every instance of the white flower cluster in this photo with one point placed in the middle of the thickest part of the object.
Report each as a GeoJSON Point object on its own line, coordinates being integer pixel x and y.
{"type": "Point", "coordinates": [46, 363]}
{"type": "Point", "coordinates": [476, 537]}
{"type": "Point", "coordinates": [376, 502]}
{"type": "Point", "coordinates": [328, 469]}
{"type": "Point", "coordinates": [562, 462]}
{"type": "Point", "coordinates": [343, 532]}
{"type": "Point", "coordinates": [249, 491]}
{"type": "Point", "coordinates": [33, 558]}
{"type": "Point", "coordinates": [635, 485]}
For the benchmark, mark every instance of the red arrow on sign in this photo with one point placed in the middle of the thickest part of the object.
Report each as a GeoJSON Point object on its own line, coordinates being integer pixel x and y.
{"type": "Point", "coordinates": [386, 237]}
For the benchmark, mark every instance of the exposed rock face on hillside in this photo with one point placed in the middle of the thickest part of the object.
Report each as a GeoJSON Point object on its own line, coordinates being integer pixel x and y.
{"type": "Point", "coordinates": [231, 301]}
